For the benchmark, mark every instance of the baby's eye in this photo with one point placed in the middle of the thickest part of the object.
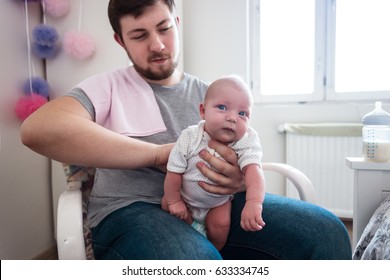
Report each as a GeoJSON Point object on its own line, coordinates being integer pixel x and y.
{"type": "Point", "coordinates": [243, 114]}
{"type": "Point", "coordinates": [221, 107]}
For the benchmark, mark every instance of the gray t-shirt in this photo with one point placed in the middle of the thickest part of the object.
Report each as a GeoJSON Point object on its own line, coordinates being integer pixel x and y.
{"type": "Point", "coordinates": [115, 188]}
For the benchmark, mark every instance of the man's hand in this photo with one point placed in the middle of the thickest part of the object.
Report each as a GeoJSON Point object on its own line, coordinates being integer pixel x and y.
{"type": "Point", "coordinates": [229, 179]}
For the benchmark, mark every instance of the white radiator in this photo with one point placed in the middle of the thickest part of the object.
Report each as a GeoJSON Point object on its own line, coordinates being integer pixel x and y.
{"type": "Point", "coordinates": [319, 151]}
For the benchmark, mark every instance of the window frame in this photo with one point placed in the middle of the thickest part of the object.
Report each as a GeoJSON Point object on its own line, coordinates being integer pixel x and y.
{"type": "Point", "coordinates": [324, 73]}
{"type": "Point", "coordinates": [330, 92]}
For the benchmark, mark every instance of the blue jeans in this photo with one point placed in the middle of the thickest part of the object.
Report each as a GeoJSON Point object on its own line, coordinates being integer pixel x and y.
{"type": "Point", "coordinates": [294, 230]}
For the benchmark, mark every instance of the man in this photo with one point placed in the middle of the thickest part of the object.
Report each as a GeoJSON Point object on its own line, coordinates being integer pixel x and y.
{"type": "Point", "coordinates": [124, 123]}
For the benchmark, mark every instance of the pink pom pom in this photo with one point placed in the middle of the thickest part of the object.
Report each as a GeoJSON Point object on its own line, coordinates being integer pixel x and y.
{"type": "Point", "coordinates": [27, 105]}
{"type": "Point", "coordinates": [57, 8]}
{"type": "Point", "coordinates": [79, 45]}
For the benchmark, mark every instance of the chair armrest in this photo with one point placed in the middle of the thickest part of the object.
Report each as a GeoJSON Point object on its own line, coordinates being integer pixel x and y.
{"type": "Point", "coordinates": [300, 181]}
{"type": "Point", "coordinates": [70, 237]}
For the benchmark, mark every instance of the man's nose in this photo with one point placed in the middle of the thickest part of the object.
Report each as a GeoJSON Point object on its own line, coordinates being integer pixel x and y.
{"type": "Point", "coordinates": [156, 43]}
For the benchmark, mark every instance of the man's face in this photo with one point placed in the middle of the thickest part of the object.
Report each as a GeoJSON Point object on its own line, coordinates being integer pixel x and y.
{"type": "Point", "coordinates": [152, 42]}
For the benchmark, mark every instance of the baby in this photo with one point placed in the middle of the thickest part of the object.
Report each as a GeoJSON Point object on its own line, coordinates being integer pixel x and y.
{"type": "Point", "coordinates": [225, 117]}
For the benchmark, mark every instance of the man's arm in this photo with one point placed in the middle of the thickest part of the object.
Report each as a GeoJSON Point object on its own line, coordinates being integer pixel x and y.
{"type": "Point", "coordinates": [63, 130]}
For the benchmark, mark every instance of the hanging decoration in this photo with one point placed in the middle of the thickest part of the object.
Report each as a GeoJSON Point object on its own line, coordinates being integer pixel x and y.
{"type": "Point", "coordinates": [57, 8]}
{"type": "Point", "coordinates": [45, 39]}
{"type": "Point", "coordinates": [36, 90]}
{"type": "Point", "coordinates": [36, 85]}
{"type": "Point", "coordinates": [44, 44]}
{"type": "Point", "coordinates": [26, 105]}
{"type": "Point", "coordinates": [78, 44]}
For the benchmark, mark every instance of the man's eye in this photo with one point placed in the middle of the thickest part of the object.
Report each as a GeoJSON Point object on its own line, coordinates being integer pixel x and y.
{"type": "Point", "coordinates": [138, 37]}
{"type": "Point", "coordinates": [166, 28]}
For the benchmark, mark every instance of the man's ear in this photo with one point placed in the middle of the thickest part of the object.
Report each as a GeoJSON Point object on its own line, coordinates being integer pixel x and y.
{"type": "Point", "coordinates": [119, 40]}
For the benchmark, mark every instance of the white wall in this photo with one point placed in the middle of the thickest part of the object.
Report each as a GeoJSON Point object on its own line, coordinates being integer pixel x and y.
{"type": "Point", "coordinates": [215, 41]}
{"type": "Point", "coordinates": [25, 206]}
{"type": "Point", "coordinates": [215, 38]}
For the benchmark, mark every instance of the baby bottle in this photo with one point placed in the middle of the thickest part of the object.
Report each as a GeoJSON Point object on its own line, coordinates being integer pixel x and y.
{"type": "Point", "coordinates": [376, 135]}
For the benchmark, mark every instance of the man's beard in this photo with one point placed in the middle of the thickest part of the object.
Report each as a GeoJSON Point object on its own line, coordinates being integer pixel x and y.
{"type": "Point", "coordinates": [161, 74]}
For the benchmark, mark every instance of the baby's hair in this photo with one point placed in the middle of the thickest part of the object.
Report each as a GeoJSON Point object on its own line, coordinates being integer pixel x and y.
{"type": "Point", "coordinates": [237, 79]}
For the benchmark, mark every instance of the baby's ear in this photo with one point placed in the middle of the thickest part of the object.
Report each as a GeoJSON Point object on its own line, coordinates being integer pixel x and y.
{"type": "Point", "coordinates": [202, 111]}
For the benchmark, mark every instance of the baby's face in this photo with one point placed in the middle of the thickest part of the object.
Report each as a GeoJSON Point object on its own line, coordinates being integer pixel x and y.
{"type": "Point", "coordinates": [226, 111]}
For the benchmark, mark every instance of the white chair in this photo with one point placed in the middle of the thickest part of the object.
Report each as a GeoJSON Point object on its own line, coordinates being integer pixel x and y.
{"type": "Point", "coordinates": [73, 237]}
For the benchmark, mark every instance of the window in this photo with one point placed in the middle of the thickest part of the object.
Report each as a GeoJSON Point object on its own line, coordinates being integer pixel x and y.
{"type": "Point", "coordinates": [315, 50]}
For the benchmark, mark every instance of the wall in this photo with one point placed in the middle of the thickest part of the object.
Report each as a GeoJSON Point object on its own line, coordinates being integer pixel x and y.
{"type": "Point", "coordinates": [25, 206]}
{"type": "Point", "coordinates": [215, 41]}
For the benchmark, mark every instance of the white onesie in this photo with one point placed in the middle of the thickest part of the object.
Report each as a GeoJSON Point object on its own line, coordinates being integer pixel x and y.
{"type": "Point", "coordinates": [185, 155]}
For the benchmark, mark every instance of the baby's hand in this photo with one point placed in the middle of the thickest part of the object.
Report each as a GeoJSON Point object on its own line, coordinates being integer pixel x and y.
{"type": "Point", "coordinates": [179, 210]}
{"type": "Point", "coordinates": [251, 219]}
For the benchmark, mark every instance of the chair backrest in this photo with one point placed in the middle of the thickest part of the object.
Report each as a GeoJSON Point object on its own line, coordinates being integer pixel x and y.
{"type": "Point", "coordinates": [82, 178]}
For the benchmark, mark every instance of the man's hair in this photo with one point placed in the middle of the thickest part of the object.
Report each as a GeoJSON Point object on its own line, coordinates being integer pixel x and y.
{"type": "Point", "coordinates": [119, 8]}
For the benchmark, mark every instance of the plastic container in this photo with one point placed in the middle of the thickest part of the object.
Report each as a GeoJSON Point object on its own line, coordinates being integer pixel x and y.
{"type": "Point", "coordinates": [376, 135]}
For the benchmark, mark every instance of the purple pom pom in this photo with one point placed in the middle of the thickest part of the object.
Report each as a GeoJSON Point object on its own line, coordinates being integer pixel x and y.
{"type": "Point", "coordinates": [45, 35]}
{"type": "Point", "coordinates": [37, 85]}
{"type": "Point", "coordinates": [43, 51]}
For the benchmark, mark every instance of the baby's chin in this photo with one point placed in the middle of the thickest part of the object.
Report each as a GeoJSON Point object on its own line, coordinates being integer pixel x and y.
{"type": "Point", "coordinates": [226, 139]}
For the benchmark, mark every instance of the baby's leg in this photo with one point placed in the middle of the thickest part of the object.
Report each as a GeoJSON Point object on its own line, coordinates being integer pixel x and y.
{"type": "Point", "coordinates": [218, 224]}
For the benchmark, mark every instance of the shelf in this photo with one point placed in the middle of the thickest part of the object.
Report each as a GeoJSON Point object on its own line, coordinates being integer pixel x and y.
{"type": "Point", "coordinates": [359, 163]}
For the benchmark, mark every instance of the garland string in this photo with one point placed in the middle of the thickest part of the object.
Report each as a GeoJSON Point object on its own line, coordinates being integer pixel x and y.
{"type": "Point", "coordinates": [30, 67]}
